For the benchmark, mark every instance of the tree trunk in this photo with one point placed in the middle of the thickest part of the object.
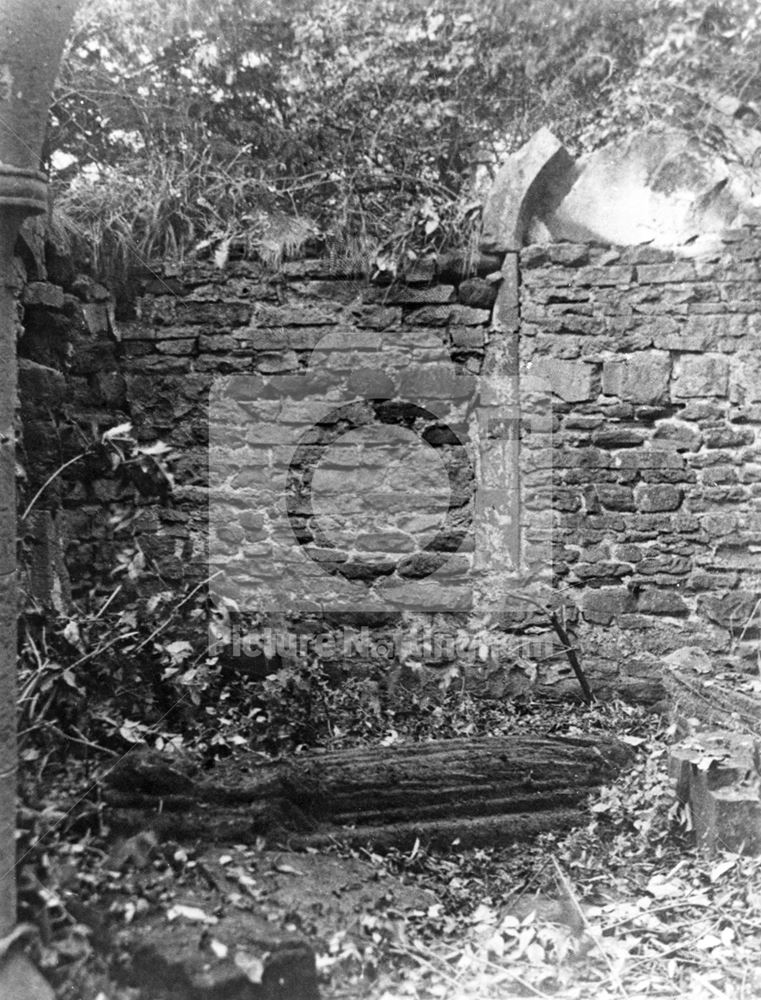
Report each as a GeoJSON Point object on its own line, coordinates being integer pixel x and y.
{"type": "Point", "coordinates": [484, 790]}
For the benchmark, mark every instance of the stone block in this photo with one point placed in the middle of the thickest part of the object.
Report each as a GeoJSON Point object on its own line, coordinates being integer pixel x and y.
{"type": "Point", "coordinates": [88, 290]}
{"type": "Point", "coordinates": [661, 274]}
{"type": "Point", "coordinates": [429, 316]}
{"type": "Point", "coordinates": [97, 317]}
{"type": "Point", "coordinates": [615, 497]}
{"type": "Point", "coordinates": [699, 333]}
{"type": "Point", "coordinates": [478, 293]}
{"type": "Point", "coordinates": [568, 254]}
{"type": "Point", "coordinates": [661, 602]}
{"type": "Point", "coordinates": [136, 330]}
{"type": "Point", "coordinates": [467, 337]}
{"type": "Point", "coordinates": [677, 435]}
{"type": "Point", "coordinates": [618, 437]}
{"type": "Point", "coordinates": [422, 564]}
{"type": "Point", "coordinates": [506, 312]}
{"type": "Point", "coordinates": [456, 265]}
{"type": "Point", "coordinates": [377, 317]}
{"type": "Point", "coordinates": [733, 610]}
{"type": "Point", "coordinates": [700, 376]}
{"type": "Point", "coordinates": [745, 380]}
{"type": "Point", "coordinates": [571, 381]}
{"type": "Point", "coordinates": [605, 571]}
{"type": "Point", "coordinates": [176, 348]}
{"type": "Point", "coordinates": [403, 295]}
{"type": "Point", "coordinates": [421, 271]}
{"type": "Point", "coordinates": [42, 295]}
{"type": "Point", "coordinates": [521, 186]}
{"type": "Point", "coordinates": [732, 820]}
{"type": "Point", "coordinates": [218, 343]}
{"type": "Point", "coordinates": [658, 497]}
{"type": "Point", "coordinates": [639, 378]}
{"type": "Point", "coordinates": [728, 436]}
{"type": "Point", "coordinates": [665, 565]}
{"type": "Point", "coordinates": [467, 316]}
{"type": "Point", "coordinates": [273, 316]}
{"type": "Point", "coordinates": [603, 605]}
{"type": "Point", "coordinates": [601, 277]}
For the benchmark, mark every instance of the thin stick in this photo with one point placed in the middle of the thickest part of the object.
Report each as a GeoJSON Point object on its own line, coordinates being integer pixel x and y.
{"type": "Point", "coordinates": [567, 890]}
{"type": "Point", "coordinates": [107, 601]}
{"type": "Point", "coordinates": [568, 648]}
{"type": "Point", "coordinates": [48, 481]}
{"type": "Point", "coordinates": [163, 625]}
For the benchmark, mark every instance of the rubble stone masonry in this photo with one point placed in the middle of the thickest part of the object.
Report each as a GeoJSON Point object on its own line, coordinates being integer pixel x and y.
{"type": "Point", "coordinates": [654, 365]}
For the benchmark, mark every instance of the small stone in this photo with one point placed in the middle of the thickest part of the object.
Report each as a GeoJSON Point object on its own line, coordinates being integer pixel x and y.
{"type": "Point", "coordinates": [42, 295]}
{"type": "Point", "coordinates": [659, 274]}
{"type": "Point", "coordinates": [422, 564]}
{"type": "Point", "coordinates": [403, 295]}
{"type": "Point", "coordinates": [477, 293]}
{"type": "Point", "coordinates": [659, 497]}
{"type": "Point", "coordinates": [618, 437]}
{"type": "Point", "coordinates": [678, 435]}
{"type": "Point", "coordinates": [728, 437]}
{"type": "Point", "coordinates": [421, 272]}
{"type": "Point", "coordinates": [601, 606]}
{"type": "Point", "coordinates": [690, 658]}
{"type": "Point", "coordinates": [733, 610]}
{"type": "Point", "coordinates": [615, 497]}
{"type": "Point", "coordinates": [266, 315]}
{"type": "Point", "coordinates": [467, 316]}
{"type": "Point", "coordinates": [429, 316]}
{"type": "Point", "coordinates": [661, 602]}
{"type": "Point", "coordinates": [568, 254]}
{"type": "Point", "coordinates": [468, 337]}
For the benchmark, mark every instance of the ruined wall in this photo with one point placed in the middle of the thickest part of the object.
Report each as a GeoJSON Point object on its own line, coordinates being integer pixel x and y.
{"type": "Point", "coordinates": [70, 390]}
{"type": "Point", "coordinates": [654, 363]}
{"type": "Point", "coordinates": [381, 385]}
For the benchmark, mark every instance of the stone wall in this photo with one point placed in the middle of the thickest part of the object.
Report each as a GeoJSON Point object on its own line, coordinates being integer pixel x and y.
{"type": "Point", "coordinates": [652, 363]}
{"type": "Point", "coordinates": [401, 530]}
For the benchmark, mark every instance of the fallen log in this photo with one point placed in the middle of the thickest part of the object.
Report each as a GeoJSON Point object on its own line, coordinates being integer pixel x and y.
{"type": "Point", "coordinates": [483, 790]}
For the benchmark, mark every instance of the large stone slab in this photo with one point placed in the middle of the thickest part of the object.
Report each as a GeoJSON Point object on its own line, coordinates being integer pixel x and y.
{"type": "Point", "coordinates": [528, 183]}
{"type": "Point", "coordinates": [659, 187]}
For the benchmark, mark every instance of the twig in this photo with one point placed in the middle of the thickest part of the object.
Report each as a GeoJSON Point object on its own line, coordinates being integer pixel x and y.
{"type": "Point", "coordinates": [567, 890]}
{"type": "Point", "coordinates": [213, 884]}
{"type": "Point", "coordinates": [49, 480]}
{"type": "Point", "coordinates": [108, 601]}
{"type": "Point", "coordinates": [568, 648]}
{"type": "Point", "coordinates": [163, 625]}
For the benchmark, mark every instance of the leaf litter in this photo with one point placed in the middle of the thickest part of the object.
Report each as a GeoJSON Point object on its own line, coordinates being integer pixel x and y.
{"type": "Point", "coordinates": [622, 907]}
